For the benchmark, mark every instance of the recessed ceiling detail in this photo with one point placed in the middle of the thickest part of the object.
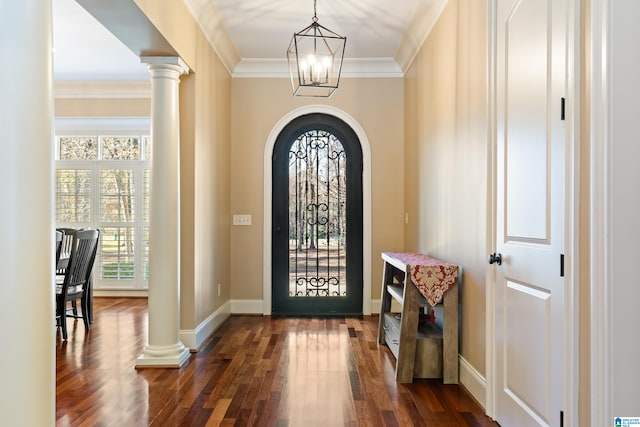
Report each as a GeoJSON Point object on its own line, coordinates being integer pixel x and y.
{"type": "Point", "coordinates": [251, 37]}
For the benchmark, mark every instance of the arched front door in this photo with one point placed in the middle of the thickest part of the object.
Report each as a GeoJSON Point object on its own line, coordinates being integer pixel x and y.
{"type": "Point", "coordinates": [317, 218]}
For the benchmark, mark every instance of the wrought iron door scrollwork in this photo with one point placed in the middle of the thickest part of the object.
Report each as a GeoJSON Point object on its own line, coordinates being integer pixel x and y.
{"type": "Point", "coordinates": [317, 223]}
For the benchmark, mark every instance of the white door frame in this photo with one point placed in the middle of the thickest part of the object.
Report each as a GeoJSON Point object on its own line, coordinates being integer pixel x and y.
{"type": "Point", "coordinates": [601, 333]}
{"type": "Point", "coordinates": [571, 209]}
{"type": "Point", "coordinates": [366, 200]}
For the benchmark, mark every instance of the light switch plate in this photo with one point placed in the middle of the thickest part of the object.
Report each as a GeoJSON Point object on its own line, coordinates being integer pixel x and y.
{"type": "Point", "coordinates": [242, 220]}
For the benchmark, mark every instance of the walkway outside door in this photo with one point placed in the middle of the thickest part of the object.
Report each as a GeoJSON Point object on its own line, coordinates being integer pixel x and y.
{"type": "Point", "coordinates": [317, 218]}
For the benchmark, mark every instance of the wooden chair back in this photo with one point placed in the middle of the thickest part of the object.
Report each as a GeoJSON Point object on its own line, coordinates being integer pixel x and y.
{"type": "Point", "coordinates": [77, 276]}
{"type": "Point", "coordinates": [59, 237]}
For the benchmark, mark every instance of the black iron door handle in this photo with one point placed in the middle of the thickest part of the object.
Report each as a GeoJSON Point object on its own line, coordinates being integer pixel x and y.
{"type": "Point", "coordinates": [495, 258]}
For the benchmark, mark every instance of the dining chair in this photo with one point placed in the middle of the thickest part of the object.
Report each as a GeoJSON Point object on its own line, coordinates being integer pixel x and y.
{"type": "Point", "coordinates": [63, 260]}
{"type": "Point", "coordinates": [59, 237]}
{"type": "Point", "coordinates": [75, 284]}
{"type": "Point", "coordinates": [65, 249]}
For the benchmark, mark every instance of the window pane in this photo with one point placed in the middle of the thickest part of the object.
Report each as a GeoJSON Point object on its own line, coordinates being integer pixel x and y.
{"type": "Point", "coordinates": [120, 148]}
{"type": "Point", "coordinates": [73, 195]}
{"type": "Point", "coordinates": [147, 194]}
{"type": "Point", "coordinates": [117, 249]}
{"type": "Point", "coordinates": [117, 196]}
{"type": "Point", "coordinates": [317, 220]}
{"type": "Point", "coordinates": [147, 148]}
{"type": "Point", "coordinates": [145, 256]}
{"type": "Point", "coordinates": [78, 148]}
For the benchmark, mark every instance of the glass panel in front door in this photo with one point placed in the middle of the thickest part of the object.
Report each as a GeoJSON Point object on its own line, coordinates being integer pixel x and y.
{"type": "Point", "coordinates": [317, 221]}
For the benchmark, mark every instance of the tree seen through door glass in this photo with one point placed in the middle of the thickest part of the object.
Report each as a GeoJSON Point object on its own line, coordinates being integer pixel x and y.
{"type": "Point", "coordinates": [317, 221]}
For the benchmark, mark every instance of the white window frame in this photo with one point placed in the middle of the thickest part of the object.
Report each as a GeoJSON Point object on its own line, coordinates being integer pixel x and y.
{"type": "Point", "coordinates": [98, 128]}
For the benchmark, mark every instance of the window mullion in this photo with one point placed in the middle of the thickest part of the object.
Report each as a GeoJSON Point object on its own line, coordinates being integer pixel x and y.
{"type": "Point", "coordinates": [128, 227]}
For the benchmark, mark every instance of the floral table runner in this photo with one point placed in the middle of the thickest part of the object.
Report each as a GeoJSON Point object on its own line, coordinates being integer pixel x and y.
{"type": "Point", "coordinates": [432, 277]}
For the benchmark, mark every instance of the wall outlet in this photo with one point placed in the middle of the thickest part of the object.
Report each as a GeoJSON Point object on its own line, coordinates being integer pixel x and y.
{"type": "Point", "coordinates": [219, 289]}
{"type": "Point", "coordinates": [242, 220]}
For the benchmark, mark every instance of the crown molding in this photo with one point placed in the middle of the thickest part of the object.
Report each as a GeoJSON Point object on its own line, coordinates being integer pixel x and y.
{"type": "Point", "coordinates": [351, 68]}
{"type": "Point", "coordinates": [102, 89]}
{"type": "Point", "coordinates": [210, 22]}
{"type": "Point", "coordinates": [424, 18]}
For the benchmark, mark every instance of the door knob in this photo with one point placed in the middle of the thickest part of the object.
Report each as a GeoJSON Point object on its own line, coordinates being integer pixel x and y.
{"type": "Point", "coordinates": [495, 258]}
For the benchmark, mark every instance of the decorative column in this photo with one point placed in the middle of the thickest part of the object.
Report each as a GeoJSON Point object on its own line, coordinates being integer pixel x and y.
{"type": "Point", "coordinates": [164, 348]}
{"type": "Point", "coordinates": [27, 368]}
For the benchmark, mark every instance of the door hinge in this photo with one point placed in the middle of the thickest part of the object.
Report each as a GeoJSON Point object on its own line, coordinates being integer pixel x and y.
{"type": "Point", "coordinates": [561, 265]}
{"type": "Point", "coordinates": [562, 102]}
{"type": "Point", "coordinates": [561, 418]}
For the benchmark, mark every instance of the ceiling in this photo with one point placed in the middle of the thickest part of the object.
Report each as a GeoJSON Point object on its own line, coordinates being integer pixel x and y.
{"type": "Point", "coordinates": [85, 50]}
{"type": "Point", "coordinates": [258, 32]}
{"type": "Point", "coordinates": [263, 28]}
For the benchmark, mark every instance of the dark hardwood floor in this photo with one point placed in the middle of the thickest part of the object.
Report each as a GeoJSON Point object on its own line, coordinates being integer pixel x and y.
{"type": "Point", "coordinates": [254, 371]}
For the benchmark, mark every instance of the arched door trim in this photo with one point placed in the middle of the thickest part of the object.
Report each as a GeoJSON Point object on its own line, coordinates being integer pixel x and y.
{"type": "Point", "coordinates": [366, 200]}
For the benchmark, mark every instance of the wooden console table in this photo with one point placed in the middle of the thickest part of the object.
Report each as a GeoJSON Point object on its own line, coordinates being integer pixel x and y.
{"type": "Point", "coordinates": [422, 349]}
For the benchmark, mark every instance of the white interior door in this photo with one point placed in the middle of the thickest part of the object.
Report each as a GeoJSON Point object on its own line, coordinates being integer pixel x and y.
{"type": "Point", "coordinates": [531, 67]}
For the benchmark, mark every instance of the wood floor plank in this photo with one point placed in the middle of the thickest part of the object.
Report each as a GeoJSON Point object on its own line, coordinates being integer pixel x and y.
{"type": "Point", "coordinates": [253, 371]}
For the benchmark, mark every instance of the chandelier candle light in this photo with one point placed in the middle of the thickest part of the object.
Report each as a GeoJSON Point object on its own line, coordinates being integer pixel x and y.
{"type": "Point", "coordinates": [315, 57]}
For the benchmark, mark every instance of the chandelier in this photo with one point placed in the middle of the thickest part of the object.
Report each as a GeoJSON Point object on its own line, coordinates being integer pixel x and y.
{"type": "Point", "coordinates": [315, 57]}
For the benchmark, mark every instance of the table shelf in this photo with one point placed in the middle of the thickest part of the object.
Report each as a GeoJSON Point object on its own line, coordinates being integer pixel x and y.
{"type": "Point", "coordinates": [397, 290]}
{"type": "Point", "coordinates": [421, 349]}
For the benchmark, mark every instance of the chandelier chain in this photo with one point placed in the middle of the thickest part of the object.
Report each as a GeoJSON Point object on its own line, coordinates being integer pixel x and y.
{"type": "Point", "coordinates": [315, 15]}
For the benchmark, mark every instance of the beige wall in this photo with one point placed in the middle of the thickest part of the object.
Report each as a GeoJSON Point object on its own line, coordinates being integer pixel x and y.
{"type": "Point", "coordinates": [205, 151]}
{"type": "Point", "coordinates": [446, 158]}
{"type": "Point", "coordinates": [205, 97]}
{"type": "Point", "coordinates": [257, 105]}
{"type": "Point", "coordinates": [102, 107]}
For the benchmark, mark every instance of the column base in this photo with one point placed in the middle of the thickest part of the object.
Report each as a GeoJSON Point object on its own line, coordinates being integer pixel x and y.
{"type": "Point", "coordinates": [174, 356]}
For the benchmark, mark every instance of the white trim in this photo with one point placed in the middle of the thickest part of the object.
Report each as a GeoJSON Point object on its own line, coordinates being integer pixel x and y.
{"type": "Point", "coordinates": [375, 306]}
{"type": "Point", "coordinates": [163, 61]}
{"type": "Point", "coordinates": [572, 225]}
{"type": "Point", "coordinates": [600, 277]}
{"type": "Point", "coordinates": [193, 338]}
{"type": "Point", "coordinates": [210, 22]}
{"type": "Point", "coordinates": [351, 68]}
{"type": "Point", "coordinates": [366, 199]}
{"type": "Point", "coordinates": [247, 306]}
{"type": "Point", "coordinates": [424, 18]}
{"type": "Point", "coordinates": [256, 306]}
{"type": "Point", "coordinates": [490, 277]}
{"type": "Point", "coordinates": [103, 89]}
{"type": "Point", "coordinates": [103, 126]}
{"type": "Point", "coordinates": [121, 293]}
{"type": "Point", "coordinates": [473, 381]}
{"type": "Point", "coordinates": [174, 356]}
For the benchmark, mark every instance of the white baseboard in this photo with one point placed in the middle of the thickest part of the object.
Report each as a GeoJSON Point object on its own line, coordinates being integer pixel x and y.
{"type": "Point", "coordinates": [194, 338]}
{"type": "Point", "coordinates": [256, 306]}
{"type": "Point", "coordinates": [120, 293]}
{"type": "Point", "coordinates": [473, 381]}
{"type": "Point", "coordinates": [247, 306]}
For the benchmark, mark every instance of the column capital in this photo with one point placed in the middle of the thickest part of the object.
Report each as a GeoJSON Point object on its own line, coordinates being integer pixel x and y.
{"type": "Point", "coordinates": [175, 61]}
